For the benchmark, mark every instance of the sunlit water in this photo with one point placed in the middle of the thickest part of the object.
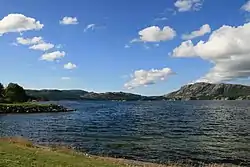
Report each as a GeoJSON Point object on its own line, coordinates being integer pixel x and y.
{"type": "Point", "coordinates": [197, 131]}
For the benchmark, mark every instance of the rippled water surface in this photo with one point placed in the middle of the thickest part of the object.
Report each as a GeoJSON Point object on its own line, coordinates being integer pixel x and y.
{"type": "Point", "coordinates": [198, 131]}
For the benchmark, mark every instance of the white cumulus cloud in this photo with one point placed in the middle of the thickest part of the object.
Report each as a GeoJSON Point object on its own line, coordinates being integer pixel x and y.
{"type": "Point", "coordinates": [18, 23]}
{"type": "Point", "coordinates": [69, 20]}
{"type": "Point", "coordinates": [69, 66]}
{"type": "Point", "coordinates": [29, 41]}
{"type": "Point", "coordinates": [37, 43]}
{"type": "Point", "coordinates": [205, 29]}
{"type": "Point", "coordinates": [155, 34]}
{"type": "Point", "coordinates": [227, 49]}
{"type": "Point", "coordinates": [150, 77]}
{"type": "Point", "coordinates": [52, 56]}
{"type": "Point", "coordinates": [246, 6]}
{"type": "Point", "coordinates": [188, 5]}
{"type": "Point", "coordinates": [42, 46]}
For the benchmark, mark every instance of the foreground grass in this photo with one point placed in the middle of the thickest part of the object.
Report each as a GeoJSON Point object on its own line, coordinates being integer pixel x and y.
{"type": "Point", "coordinates": [17, 152]}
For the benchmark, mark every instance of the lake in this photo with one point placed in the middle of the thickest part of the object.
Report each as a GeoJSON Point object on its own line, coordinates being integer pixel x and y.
{"type": "Point", "coordinates": [158, 131]}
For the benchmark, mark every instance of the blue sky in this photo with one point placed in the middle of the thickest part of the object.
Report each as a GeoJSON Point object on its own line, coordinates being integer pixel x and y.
{"type": "Point", "coordinates": [102, 61]}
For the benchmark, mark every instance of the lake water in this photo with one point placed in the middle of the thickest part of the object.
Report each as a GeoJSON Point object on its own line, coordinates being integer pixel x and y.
{"type": "Point", "coordinates": [197, 131]}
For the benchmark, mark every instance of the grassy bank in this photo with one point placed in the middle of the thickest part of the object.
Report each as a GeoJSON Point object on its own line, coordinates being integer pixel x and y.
{"type": "Point", "coordinates": [20, 153]}
{"type": "Point", "coordinates": [17, 152]}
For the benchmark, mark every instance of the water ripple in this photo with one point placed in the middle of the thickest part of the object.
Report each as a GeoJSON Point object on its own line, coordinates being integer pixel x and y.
{"type": "Point", "coordinates": [197, 131]}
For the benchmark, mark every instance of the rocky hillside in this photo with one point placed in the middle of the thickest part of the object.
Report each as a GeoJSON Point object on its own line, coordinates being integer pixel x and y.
{"type": "Point", "coordinates": [111, 96]}
{"type": "Point", "coordinates": [207, 91]}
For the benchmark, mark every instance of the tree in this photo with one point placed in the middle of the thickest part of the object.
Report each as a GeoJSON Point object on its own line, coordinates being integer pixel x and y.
{"type": "Point", "coordinates": [1, 90]}
{"type": "Point", "coordinates": [15, 93]}
{"type": "Point", "coordinates": [1, 93]}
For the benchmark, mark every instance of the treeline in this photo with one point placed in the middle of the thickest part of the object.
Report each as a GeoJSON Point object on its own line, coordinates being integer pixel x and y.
{"type": "Point", "coordinates": [55, 95]}
{"type": "Point", "coordinates": [12, 93]}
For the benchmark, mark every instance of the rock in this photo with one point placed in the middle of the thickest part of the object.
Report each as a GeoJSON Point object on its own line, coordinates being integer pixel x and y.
{"type": "Point", "coordinates": [31, 108]}
{"type": "Point", "coordinates": [207, 91]}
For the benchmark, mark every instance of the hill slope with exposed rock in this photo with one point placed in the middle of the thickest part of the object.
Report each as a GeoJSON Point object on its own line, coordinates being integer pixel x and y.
{"type": "Point", "coordinates": [207, 91]}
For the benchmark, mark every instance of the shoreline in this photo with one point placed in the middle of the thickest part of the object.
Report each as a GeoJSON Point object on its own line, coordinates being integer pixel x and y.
{"type": "Point", "coordinates": [16, 146]}
{"type": "Point", "coordinates": [29, 108]}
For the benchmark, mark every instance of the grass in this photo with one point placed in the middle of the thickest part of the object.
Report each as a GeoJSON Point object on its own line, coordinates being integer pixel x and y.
{"type": "Point", "coordinates": [20, 153]}
{"type": "Point", "coordinates": [17, 152]}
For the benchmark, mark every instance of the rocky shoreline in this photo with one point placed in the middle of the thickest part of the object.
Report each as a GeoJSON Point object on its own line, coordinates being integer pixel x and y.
{"type": "Point", "coordinates": [32, 108]}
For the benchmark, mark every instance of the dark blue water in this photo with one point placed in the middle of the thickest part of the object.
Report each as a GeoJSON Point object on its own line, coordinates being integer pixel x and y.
{"type": "Point", "coordinates": [197, 131]}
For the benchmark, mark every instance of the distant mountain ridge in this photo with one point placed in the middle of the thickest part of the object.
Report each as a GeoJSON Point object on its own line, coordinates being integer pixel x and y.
{"type": "Point", "coordinates": [55, 95]}
{"type": "Point", "coordinates": [208, 91]}
{"type": "Point", "coordinates": [196, 91]}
